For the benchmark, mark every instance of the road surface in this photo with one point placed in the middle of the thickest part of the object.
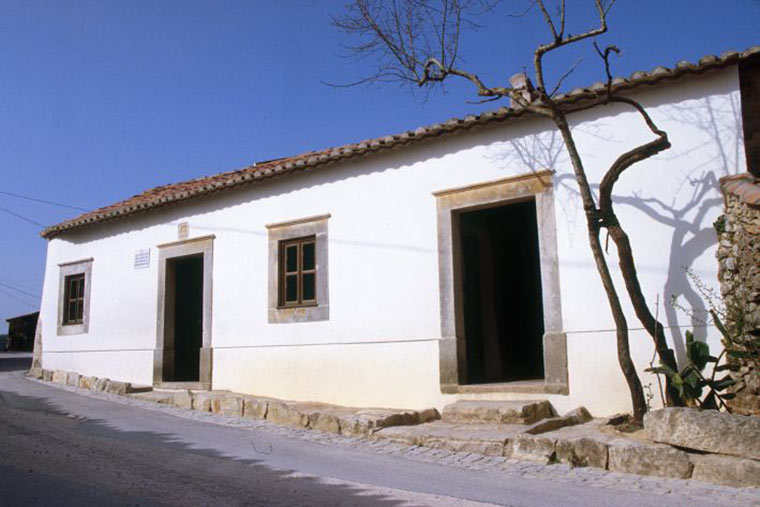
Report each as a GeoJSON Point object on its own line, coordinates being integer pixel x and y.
{"type": "Point", "coordinates": [59, 447]}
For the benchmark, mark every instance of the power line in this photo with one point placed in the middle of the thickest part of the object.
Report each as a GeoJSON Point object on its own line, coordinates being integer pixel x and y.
{"type": "Point", "coordinates": [27, 303]}
{"type": "Point", "coordinates": [19, 290]}
{"type": "Point", "coordinates": [21, 216]}
{"type": "Point", "coordinates": [35, 199]}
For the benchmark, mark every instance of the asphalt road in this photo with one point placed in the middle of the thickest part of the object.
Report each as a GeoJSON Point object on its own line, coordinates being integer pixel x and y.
{"type": "Point", "coordinates": [60, 448]}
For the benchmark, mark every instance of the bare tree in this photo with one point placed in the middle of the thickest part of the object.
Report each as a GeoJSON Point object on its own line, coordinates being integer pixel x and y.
{"type": "Point", "coordinates": [417, 42]}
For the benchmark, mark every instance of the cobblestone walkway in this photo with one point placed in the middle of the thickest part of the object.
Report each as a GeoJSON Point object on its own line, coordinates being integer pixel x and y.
{"type": "Point", "coordinates": [513, 469]}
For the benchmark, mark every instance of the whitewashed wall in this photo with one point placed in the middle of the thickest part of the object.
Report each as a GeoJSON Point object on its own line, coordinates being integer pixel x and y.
{"type": "Point", "coordinates": [379, 347]}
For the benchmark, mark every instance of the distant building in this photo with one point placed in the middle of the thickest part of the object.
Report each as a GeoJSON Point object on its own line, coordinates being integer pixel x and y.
{"type": "Point", "coordinates": [21, 332]}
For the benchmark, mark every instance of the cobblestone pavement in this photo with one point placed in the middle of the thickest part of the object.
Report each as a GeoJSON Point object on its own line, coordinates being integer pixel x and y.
{"type": "Point", "coordinates": [513, 469]}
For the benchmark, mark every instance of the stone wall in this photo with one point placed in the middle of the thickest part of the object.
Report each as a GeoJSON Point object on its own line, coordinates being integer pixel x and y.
{"type": "Point", "coordinates": [739, 274]}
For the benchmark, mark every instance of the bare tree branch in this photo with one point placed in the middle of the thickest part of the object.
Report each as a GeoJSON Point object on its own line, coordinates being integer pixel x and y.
{"type": "Point", "coordinates": [419, 42]}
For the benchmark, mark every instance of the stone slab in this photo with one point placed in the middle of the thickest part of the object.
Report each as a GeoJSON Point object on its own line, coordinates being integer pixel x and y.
{"type": "Point", "coordinates": [706, 430]}
{"type": "Point", "coordinates": [101, 384]}
{"type": "Point", "coordinates": [59, 377]}
{"type": "Point", "coordinates": [527, 447]}
{"type": "Point", "coordinates": [72, 379]}
{"type": "Point", "coordinates": [503, 412]}
{"type": "Point", "coordinates": [486, 439]}
{"type": "Point", "coordinates": [227, 404]}
{"type": "Point", "coordinates": [165, 397]}
{"type": "Point", "coordinates": [255, 408]}
{"type": "Point", "coordinates": [582, 452]}
{"type": "Point", "coordinates": [182, 399]}
{"type": "Point", "coordinates": [287, 414]}
{"type": "Point", "coordinates": [202, 400]}
{"type": "Point", "coordinates": [87, 382]}
{"type": "Point", "coordinates": [731, 471]}
{"type": "Point", "coordinates": [660, 460]}
{"type": "Point", "coordinates": [117, 387]}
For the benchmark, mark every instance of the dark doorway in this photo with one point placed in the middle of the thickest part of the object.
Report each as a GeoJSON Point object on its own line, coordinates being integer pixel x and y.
{"type": "Point", "coordinates": [186, 304]}
{"type": "Point", "coordinates": [501, 278]}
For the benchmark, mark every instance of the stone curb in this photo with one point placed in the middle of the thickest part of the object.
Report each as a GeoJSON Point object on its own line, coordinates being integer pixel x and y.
{"type": "Point", "coordinates": [316, 416]}
{"type": "Point", "coordinates": [591, 477]}
{"type": "Point", "coordinates": [608, 454]}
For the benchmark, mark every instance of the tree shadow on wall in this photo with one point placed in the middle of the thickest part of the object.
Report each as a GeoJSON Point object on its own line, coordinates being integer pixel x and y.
{"type": "Point", "coordinates": [690, 219]}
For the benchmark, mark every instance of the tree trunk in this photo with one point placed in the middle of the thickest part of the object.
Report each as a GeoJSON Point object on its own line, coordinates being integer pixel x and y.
{"type": "Point", "coordinates": [638, 399]}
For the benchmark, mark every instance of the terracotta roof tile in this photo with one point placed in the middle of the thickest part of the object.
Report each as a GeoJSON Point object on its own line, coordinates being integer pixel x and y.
{"type": "Point", "coordinates": [168, 194]}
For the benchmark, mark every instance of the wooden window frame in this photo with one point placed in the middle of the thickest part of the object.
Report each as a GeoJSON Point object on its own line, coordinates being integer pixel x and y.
{"type": "Point", "coordinates": [78, 301]}
{"type": "Point", "coordinates": [67, 270]}
{"type": "Point", "coordinates": [299, 272]}
{"type": "Point", "coordinates": [315, 226]}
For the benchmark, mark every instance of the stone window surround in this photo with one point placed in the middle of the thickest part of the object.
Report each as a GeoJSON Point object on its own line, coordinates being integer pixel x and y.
{"type": "Point", "coordinates": [452, 347]}
{"type": "Point", "coordinates": [308, 226]}
{"type": "Point", "coordinates": [201, 245]}
{"type": "Point", "coordinates": [82, 266]}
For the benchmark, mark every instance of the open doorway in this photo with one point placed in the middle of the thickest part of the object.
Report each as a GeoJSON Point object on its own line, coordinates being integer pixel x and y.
{"type": "Point", "coordinates": [501, 293]}
{"type": "Point", "coordinates": [184, 315]}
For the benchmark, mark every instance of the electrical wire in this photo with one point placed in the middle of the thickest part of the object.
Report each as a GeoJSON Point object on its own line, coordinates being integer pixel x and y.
{"type": "Point", "coordinates": [35, 199]}
{"type": "Point", "coordinates": [22, 217]}
{"type": "Point", "coordinates": [19, 290]}
{"type": "Point", "coordinates": [27, 303]}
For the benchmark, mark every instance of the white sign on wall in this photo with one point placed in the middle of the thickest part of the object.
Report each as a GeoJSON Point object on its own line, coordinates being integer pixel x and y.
{"type": "Point", "coordinates": [142, 259]}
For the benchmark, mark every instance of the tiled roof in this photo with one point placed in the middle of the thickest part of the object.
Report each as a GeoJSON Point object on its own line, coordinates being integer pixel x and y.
{"type": "Point", "coordinates": [179, 192]}
{"type": "Point", "coordinates": [745, 186]}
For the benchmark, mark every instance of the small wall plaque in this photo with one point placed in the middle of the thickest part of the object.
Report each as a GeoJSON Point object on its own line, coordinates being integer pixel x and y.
{"type": "Point", "coordinates": [183, 231]}
{"type": "Point", "coordinates": [142, 259]}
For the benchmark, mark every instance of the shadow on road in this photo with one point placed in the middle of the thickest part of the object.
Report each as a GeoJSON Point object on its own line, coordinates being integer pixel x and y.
{"type": "Point", "coordinates": [15, 362]}
{"type": "Point", "coordinates": [140, 467]}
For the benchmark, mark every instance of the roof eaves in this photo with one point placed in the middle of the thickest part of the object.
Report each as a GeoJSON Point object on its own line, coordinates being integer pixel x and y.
{"type": "Point", "coordinates": [279, 167]}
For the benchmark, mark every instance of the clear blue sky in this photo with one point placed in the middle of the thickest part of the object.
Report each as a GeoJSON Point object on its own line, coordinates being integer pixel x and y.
{"type": "Point", "coordinates": [101, 99]}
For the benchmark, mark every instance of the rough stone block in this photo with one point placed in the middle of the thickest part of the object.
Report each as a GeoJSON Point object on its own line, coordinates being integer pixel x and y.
{"type": "Point", "coordinates": [86, 382]}
{"type": "Point", "coordinates": [182, 399]}
{"type": "Point", "coordinates": [580, 415]}
{"type": "Point", "coordinates": [255, 408]}
{"type": "Point", "coordinates": [654, 459]}
{"type": "Point", "coordinates": [100, 385]}
{"type": "Point", "coordinates": [551, 424]}
{"type": "Point", "coordinates": [117, 387]}
{"type": "Point", "coordinates": [529, 448]}
{"type": "Point", "coordinates": [731, 471]}
{"type": "Point", "coordinates": [202, 401]}
{"type": "Point", "coordinates": [321, 421]}
{"type": "Point", "coordinates": [287, 413]}
{"type": "Point", "coordinates": [227, 404]}
{"type": "Point", "coordinates": [165, 397]}
{"type": "Point", "coordinates": [60, 377]}
{"type": "Point", "coordinates": [705, 430]}
{"type": "Point", "coordinates": [582, 452]}
{"type": "Point", "coordinates": [428, 415]}
{"type": "Point", "coordinates": [47, 375]}
{"type": "Point", "coordinates": [72, 379]}
{"type": "Point", "coordinates": [484, 447]}
{"type": "Point", "coordinates": [367, 421]}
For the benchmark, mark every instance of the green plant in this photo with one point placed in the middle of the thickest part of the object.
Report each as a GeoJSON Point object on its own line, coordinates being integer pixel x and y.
{"type": "Point", "coordinates": [720, 224]}
{"type": "Point", "coordinates": [690, 380]}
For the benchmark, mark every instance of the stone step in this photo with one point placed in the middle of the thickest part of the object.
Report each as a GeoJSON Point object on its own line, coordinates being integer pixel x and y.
{"type": "Point", "coordinates": [486, 439]}
{"type": "Point", "coordinates": [498, 412]}
{"type": "Point", "coordinates": [137, 388]}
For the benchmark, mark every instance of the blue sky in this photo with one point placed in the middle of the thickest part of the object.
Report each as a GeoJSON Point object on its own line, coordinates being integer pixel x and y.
{"type": "Point", "coordinates": [101, 99]}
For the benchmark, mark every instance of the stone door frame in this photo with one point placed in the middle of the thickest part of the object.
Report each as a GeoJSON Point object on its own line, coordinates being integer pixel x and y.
{"type": "Point", "coordinates": [203, 245]}
{"type": "Point", "coordinates": [452, 346]}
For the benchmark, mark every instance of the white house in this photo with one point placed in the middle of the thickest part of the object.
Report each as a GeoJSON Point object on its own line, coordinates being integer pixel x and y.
{"type": "Point", "coordinates": [449, 262]}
